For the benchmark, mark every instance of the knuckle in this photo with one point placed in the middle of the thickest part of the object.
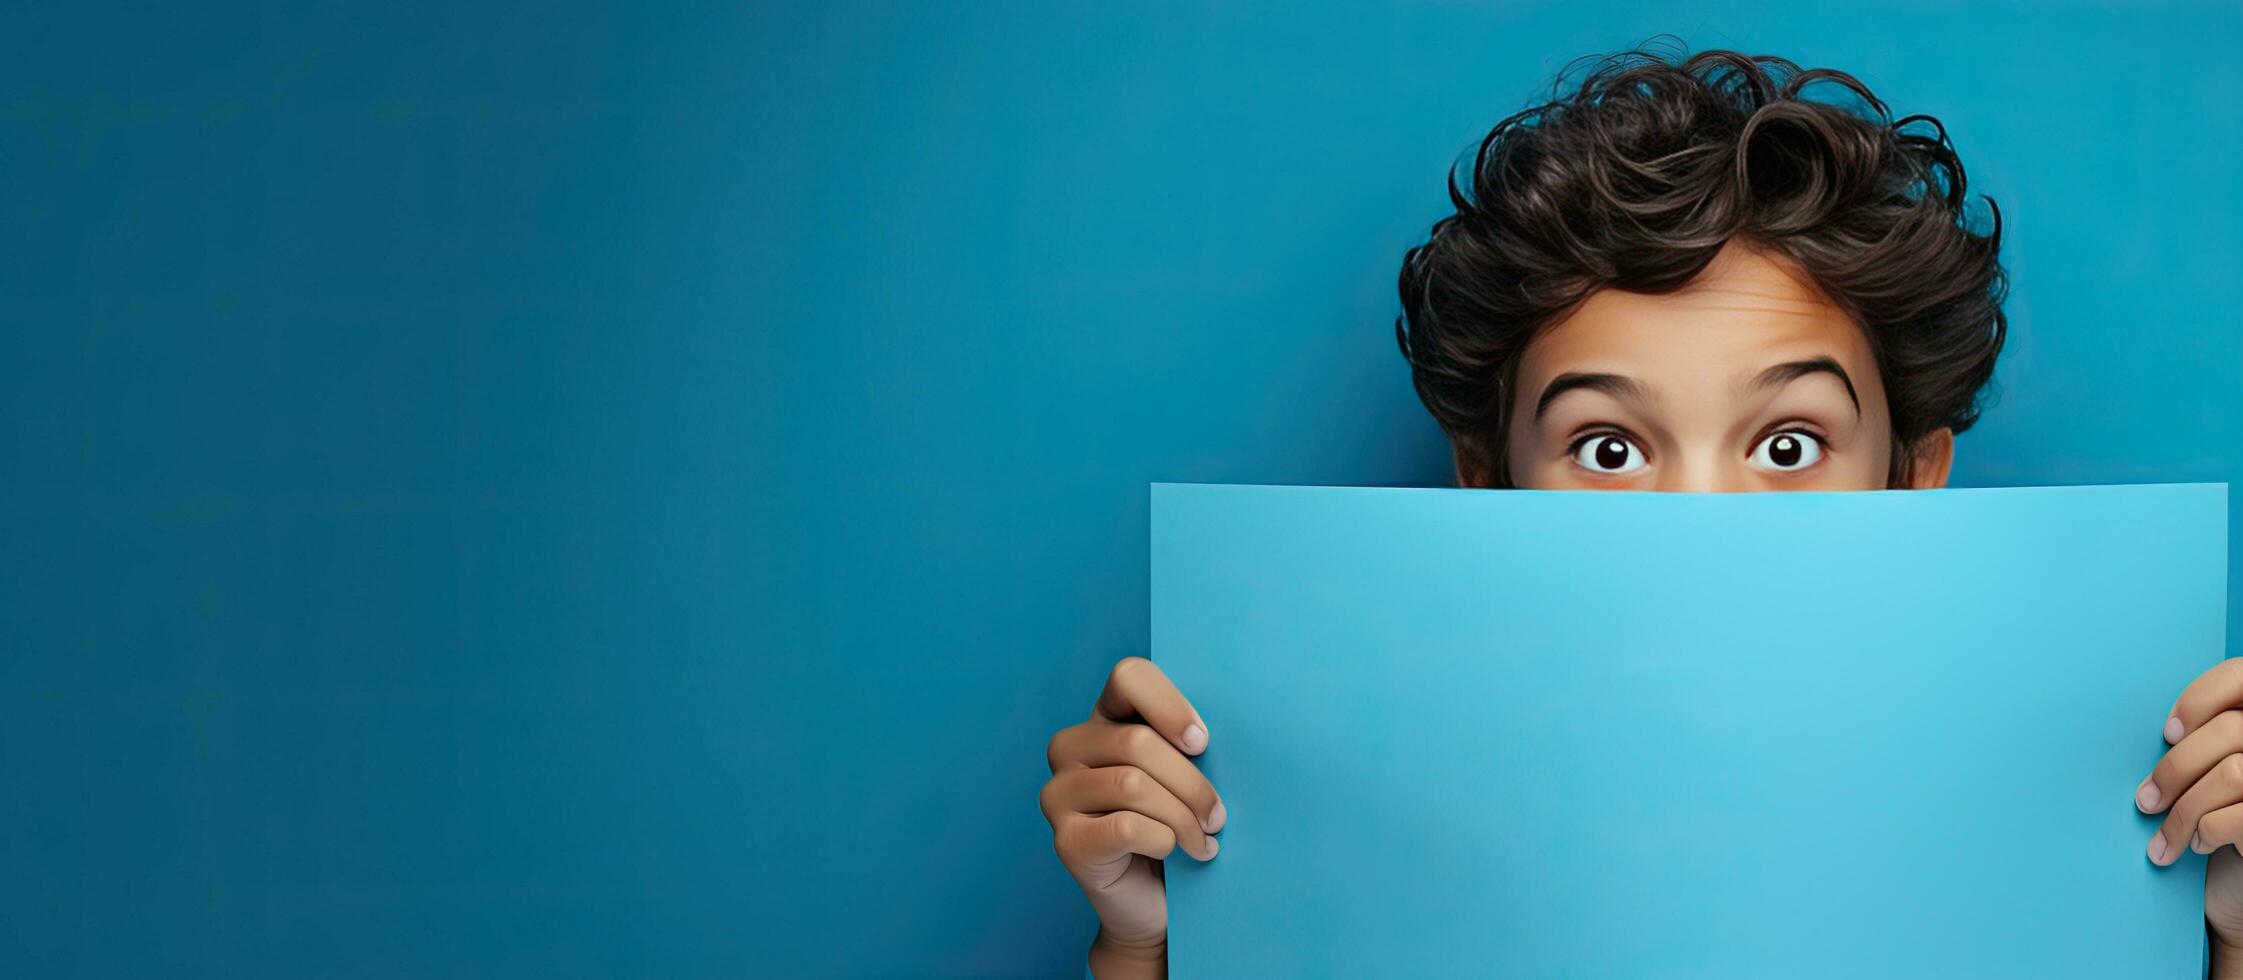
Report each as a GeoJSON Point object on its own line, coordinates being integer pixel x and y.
{"type": "Point", "coordinates": [1048, 799]}
{"type": "Point", "coordinates": [1067, 839]}
{"type": "Point", "coordinates": [1136, 830]}
{"type": "Point", "coordinates": [1138, 741]}
{"type": "Point", "coordinates": [1129, 782]}
{"type": "Point", "coordinates": [1130, 667]}
{"type": "Point", "coordinates": [2231, 770]}
{"type": "Point", "coordinates": [1066, 747]}
{"type": "Point", "coordinates": [1052, 747]}
{"type": "Point", "coordinates": [1114, 830]}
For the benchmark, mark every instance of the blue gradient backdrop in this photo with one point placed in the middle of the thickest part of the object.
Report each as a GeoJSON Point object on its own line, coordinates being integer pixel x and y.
{"type": "Point", "coordinates": [554, 489]}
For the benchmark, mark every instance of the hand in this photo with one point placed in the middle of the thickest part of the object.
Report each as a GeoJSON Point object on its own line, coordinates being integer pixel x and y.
{"type": "Point", "coordinates": [2199, 786]}
{"type": "Point", "coordinates": [1123, 795]}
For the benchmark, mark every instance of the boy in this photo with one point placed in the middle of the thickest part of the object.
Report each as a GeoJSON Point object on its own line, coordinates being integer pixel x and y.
{"type": "Point", "coordinates": [1683, 275]}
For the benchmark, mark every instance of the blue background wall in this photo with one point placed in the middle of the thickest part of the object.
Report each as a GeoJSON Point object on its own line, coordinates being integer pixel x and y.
{"type": "Point", "coordinates": [589, 490]}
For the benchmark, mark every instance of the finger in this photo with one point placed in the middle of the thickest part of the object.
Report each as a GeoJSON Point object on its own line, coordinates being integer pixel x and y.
{"type": "Point", "coordinates": [1097, 744]}
{"type": "Point", "coordinates": [1137, 689]}
{"type": "Point", "coordinates": [1087, 844]}
{"type": "Point", "coordinates": [2222, 787]}
{"type": "Point", "coordinates": [2187, 762]}
{"type": "Point", "coordinates": [1095, 791]}
{"type": "Point", "coordinates": [2218, 829]}
{"type": "Point", "coordinates": [2212, 692]}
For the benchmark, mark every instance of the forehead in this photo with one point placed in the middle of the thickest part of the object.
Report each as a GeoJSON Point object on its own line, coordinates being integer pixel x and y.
{"type": "Point", "coordinates": [1746, 310]}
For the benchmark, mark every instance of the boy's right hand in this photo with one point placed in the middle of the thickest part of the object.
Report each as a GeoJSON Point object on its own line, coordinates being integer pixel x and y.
{"type": "Point", "coordinates": [1122, 795]}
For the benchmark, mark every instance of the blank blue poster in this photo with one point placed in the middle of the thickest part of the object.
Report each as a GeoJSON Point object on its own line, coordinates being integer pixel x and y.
{"type": "Point", "coordinates": [1470, 733]}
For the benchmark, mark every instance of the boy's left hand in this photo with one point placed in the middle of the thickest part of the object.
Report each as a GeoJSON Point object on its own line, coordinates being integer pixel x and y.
{"type": "Point", "coordinates": [2199, 788]}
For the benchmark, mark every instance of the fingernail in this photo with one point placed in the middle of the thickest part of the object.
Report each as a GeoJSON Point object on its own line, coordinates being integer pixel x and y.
{"type": "Point", "coordinates": [2157, 849]}
{"type": "Point", "coordinates": [1213, 845]}
{"type": "Point", "coordinates": [1215, 817]}
{"type": "Point", "coordinates": [2196, 843]}
{"type": "Point", "coordinates": [2146, 796]}
{"type": "Point", "coordinates": [2173, 730]}
{"type": "Point", "coordinates": [1195, 738]}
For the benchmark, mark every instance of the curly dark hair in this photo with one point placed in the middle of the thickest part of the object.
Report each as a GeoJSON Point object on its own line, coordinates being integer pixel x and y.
{"type": "Point", "coordinates": [1643, 172]}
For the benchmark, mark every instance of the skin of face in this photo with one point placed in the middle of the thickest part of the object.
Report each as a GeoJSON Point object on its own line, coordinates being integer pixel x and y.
{"type": "Point", "coordinates": [1748, 378]}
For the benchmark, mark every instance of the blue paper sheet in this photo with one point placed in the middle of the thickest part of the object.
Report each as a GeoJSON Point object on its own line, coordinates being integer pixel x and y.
{"type": "Point", "coordinates": [1471, 733]}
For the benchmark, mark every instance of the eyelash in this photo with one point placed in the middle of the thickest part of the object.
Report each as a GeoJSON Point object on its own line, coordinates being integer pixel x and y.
{"type": "Point", "coordinates": [1802, 429]}
{"type": "Point", "coordinates": [1797, 427]}
{"type": "Point", "coordinates": [1573, 448]}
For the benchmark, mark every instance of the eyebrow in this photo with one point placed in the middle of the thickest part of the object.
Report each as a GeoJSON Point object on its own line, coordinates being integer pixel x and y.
{"type": "Point", "coordinates": [1611, 384]}
{"type": "Point", "coordinates": [1790, 371]}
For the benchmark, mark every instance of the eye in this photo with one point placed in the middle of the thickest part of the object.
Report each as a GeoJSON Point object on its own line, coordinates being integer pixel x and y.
{"type": "Point", "coordinates": [1787, 452]}
{"type": "Point", "coordinates": [1607, 453]}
